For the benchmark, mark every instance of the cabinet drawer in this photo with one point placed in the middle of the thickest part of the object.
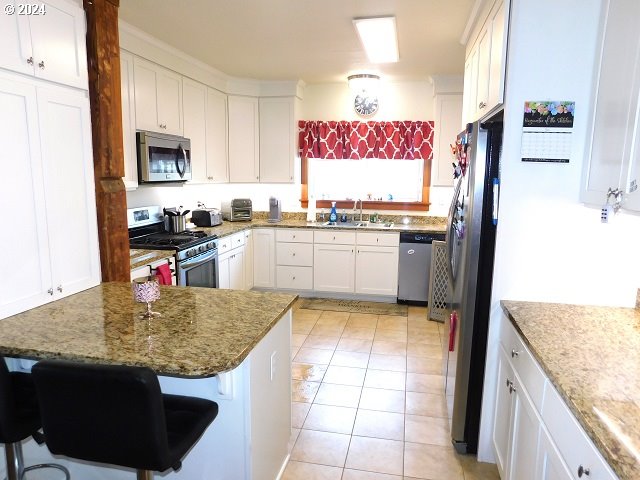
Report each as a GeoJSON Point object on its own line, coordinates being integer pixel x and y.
{"type": "Point", "coordinates": [300, 254]}
{"type": "Point", "coordinates": [378, 239]}
{"type": "Point", "coordinates": [294, 235]}
{"type": "Point", "coordinates": [230, 241]}
{"type": "Point", "coordinates": [333, 237]}
{"type": "Point", "coordinates": [237, 240]}
{"type": "Point", "coordinates": [525, 366]}
{"type": "Point", "coordinates": [297, 278]}
{"type": "Point", "coordinates": [575, 447]}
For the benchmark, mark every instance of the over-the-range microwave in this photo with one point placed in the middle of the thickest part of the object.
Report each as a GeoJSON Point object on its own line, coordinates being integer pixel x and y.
{"type": "Point", "coordinates": [163, 158]}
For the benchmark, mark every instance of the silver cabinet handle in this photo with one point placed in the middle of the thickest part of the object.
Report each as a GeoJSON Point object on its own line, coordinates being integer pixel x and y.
{"type": "Point", "coordinates": [294, 278]}
{"type": "Point", "coordinates": [482, 105]}
{"type": "Point", "coordinates": [50, 291]}
{"type": "Point", "coordinates": [209, 178]}
{"type": "Point", "coordinates": [30, 60]}
{"type": "Point", "coordinates": [514, 353]}
{"type": "Point", "coordinates": [583, 471]}
{"type": "Point", "coordinates": [293, 254]}
{"type": "Point", "coordinates": [41, 65]}
{"type": "Point", "coordinates": [59, 288]}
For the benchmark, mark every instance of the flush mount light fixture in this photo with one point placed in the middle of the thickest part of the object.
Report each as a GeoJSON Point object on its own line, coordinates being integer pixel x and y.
{"type": "Point", "coordinates": [379, 38]}
{"type": "Point", "coordinates": [364, 83]}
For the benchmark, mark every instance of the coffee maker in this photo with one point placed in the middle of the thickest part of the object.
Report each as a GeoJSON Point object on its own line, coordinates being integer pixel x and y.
{"type": "Point", "coordinates": [275, 210]}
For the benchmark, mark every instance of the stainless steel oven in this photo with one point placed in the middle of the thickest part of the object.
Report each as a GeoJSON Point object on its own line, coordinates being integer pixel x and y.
{"type": "Point", "coordinates": [199, 270]}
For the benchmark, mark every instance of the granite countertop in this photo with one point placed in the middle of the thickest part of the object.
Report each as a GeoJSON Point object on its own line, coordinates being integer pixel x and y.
{"type": "Point", "coordinates": [592, 357]}
{"type": "Point", "coordinates": [229, 228]}
{"type": "Point", "coordinates": [202, 331]}
{"type": "Point", "coordinates": [139, 257]}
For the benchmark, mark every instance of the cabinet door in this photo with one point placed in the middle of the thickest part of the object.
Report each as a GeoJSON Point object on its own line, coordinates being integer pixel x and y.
{"type": "Point", "coordinates": [377, 270]}
{"type": "Point", "coordinates": [614, 139]}
{"type": "Point", "coordinates": [264, 262]}
{"type": "Point", "coordinates": [217, 155]}
{"type": "Point", "coordinates": [248, 259]}
{"type": "Point", "coordinates": [158, 94]}
{"type": "Point", "coordinates": [277, 140]}
{"type": "Point", "coordinates": [501, 434]}
{"type": "Point", "coordinates": [236, 269]}
{"type": "Point", "coordinates": [15, 49]}
{"type": "Point", "coordinates": [224, 277]}
{"type": "Point", "coordinates": [549, 464]}
{"type": "Point", "coordinates": [194, 102]}
{"type": "Point", "coordinates": [484, 65]}
{"type": "Point", "coordinates": [525, 429]}
{"type": "Point", "coordinates": [243, 140]}
{"type": "Point", "coordinates": [25, 264]}
{"type": "Point", "coordinates": [58, 40]}
{"type": "Point", "coordinates": [128, 121]}
{"type": "Point", "coordinates": [496, 72]}
{"type": "Point", "coordinates": [470, 88]}
{"type": "Point", "coordinates": [334, 267]}
{"type": "Point", "coordinates": [65, 129]}
{"type": "Point", "coordinates": [447, 125]}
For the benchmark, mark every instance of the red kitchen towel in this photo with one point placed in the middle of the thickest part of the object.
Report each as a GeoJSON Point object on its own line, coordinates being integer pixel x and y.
{"type": "Point", "coordinates": [163, 272]}
{"type": "Point", "coordinates": [453, 323]}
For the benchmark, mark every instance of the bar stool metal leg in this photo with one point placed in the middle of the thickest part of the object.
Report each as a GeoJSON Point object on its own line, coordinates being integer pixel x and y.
{"type": "Point", "coordinates": [144, 475]}
{"type": "Point", "coordinates": [15, 463]}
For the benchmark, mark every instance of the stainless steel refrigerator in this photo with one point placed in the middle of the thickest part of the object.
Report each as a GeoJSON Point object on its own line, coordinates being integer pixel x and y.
{"type": "Point", "coordinates": [470, 241]}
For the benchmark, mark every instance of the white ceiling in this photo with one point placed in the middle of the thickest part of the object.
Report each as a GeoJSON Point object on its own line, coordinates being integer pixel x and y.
{"type": "Point", "coordinates": [309, 40]}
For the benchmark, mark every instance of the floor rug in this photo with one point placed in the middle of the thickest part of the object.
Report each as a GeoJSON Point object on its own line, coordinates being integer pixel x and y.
{"type": "Point", "coordinates": [354, 306]}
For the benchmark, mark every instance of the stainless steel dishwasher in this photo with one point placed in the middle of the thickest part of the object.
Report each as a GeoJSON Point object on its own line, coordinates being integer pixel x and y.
{"type": "Point", "coordinates": [414, 265]}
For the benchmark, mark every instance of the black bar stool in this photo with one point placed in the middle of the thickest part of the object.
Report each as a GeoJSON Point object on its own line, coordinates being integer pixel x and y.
{"type": "Point", "coordinates": [19, 420]}
{"type": "Point", "coordinates": [117, 415]}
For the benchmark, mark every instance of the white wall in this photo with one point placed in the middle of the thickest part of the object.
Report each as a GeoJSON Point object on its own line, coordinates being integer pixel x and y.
{"type": "Point", "coordinates": [549, 246]}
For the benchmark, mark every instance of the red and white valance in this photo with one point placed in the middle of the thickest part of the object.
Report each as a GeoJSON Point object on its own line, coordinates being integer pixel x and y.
{"type": "Point", "coordinates": [410, 140]}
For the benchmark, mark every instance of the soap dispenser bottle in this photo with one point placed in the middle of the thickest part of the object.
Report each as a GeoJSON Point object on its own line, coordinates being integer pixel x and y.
{"type": "Point", "coordinates": [333, 216]}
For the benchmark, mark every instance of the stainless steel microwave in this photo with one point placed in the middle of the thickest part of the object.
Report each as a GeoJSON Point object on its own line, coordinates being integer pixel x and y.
{"type": "Point", "coordinates": [163, 158]}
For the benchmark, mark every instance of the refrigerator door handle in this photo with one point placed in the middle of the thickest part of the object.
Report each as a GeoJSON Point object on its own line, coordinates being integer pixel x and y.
{"type": "Point", "coordinates": [450, 237]}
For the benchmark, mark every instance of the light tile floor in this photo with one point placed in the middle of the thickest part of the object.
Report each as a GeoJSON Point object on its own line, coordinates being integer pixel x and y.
{"type": "Point", "coordinates": [368, 400]}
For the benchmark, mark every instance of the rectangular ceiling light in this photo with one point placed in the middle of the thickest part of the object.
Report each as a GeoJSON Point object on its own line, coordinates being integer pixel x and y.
{"type": "Point", "coordinates": [379, 38]}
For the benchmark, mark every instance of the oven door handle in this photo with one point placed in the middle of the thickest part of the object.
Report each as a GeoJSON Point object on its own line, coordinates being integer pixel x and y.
{"type": "Point", "coordinates": [187, 264]}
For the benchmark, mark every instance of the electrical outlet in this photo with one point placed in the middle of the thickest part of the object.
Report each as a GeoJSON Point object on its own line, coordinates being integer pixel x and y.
{"type": "Point", "coordinates": [273, 365]}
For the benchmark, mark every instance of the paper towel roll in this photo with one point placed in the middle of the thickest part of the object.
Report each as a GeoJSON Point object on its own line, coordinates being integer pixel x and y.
{"type": "Point", "coordinates": [311, 209]}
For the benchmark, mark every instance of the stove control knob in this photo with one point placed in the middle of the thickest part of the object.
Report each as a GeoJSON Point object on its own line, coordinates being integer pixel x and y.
{"type": "Point", "coordinates": [201, 248]}
{"type": "Point", "coordinates": [191, 253]}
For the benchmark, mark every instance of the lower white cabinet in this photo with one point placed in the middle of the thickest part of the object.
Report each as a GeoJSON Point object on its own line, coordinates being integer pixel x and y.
{"type": "Point", "coordinates": [231, 262]}
{"type": "Point", "coordinates": [45, 131]}
{"type": "Point", "coordinates": [535, 435]}
{"type": "Point", "coordinates": [150, 269]}
{"type": "Point", "coordinates": [248, 259]}
{"type": "Point", "coordinates": [334, 268]}
{"type": "Point", "coordinates": [264, 263]}
{"type": "Point", "coordinates": [376, 270]}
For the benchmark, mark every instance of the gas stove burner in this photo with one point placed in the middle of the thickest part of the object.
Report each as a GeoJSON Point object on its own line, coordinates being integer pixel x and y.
{"type": "Point", "coordinates": [171, 239]}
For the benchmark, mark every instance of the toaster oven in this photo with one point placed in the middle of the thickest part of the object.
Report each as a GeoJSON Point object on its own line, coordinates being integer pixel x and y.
{"type": "Point", "coordinates": [237, 210]}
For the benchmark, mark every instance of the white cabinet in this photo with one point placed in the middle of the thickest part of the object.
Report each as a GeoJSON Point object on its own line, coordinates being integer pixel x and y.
{"type": "Point", "coordinates": [277, 139]}
{"type": "Point", "coordinates": [217, 170]}
{"type": "Point", "coordinates": [45, 39]}
{"type": "Point", "coordinates": [158, 94]}
{"type": "Point", "coordinates": [334, 268]}
{"type": "Point", "coordinates": [294, 259]}
{"type": "Point", "coordinates": [129, 147]}
{"type": "Point", "coordinates": [150, 269]}
{"type": "Point", "coordinates": [485, 63]}
{"type": "Point", "coordinates": [194, 109]}
{"type": "Point", "coordinates": [448, 117]}
{"type": "Point", "coordinates": [244, 148]}
{"type": "Point", "coordinates": [615, 147]}
{"type": "Point", "coordinates": [46, 130]}
{"type": "Point", "coordinates": [248, 259]}
{"type": "Point", "coordinates": [231, 262]}
{"type": "Point", "coordinates": [535, 435]}
{"type": "Point", "coordinates": [264, 263]}
{"type": "Point", "coordinates": [377, 270]}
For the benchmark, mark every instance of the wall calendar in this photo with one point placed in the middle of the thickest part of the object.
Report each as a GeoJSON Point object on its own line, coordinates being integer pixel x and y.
{"type": "Point", "coordinates": [547, 131]}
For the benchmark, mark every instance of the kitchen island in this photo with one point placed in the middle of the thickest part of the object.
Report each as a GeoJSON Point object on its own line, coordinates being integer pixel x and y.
{"type": "Point", "coordinates": [591, 358]}
{"type": "Point", "coordinates": [229, 346]}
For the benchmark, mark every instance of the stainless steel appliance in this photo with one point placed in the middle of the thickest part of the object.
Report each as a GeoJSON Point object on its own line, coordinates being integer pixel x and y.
{"type": "Point", "coordinates": [196, 253]}
{"type": "Point", "coordinates": [163, 158]}
{"type": "Point", "coordinates": [237, 210]}
{"type": "Point", "coordinates": [471, 232]}
{"type": "Point", "coordinates": [275, 210]}
{"type": "Point", "coordinates": [206, 217]}
{"type": "Point", "coordinates": [414, 266]}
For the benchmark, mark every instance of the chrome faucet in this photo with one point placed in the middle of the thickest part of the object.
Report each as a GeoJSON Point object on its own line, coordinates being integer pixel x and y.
{"type": "Point", "coordinates": [355, 205]}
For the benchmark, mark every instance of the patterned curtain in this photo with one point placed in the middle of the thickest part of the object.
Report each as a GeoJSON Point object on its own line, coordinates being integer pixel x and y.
{"type": "Point", "coordinates": [357, 140]}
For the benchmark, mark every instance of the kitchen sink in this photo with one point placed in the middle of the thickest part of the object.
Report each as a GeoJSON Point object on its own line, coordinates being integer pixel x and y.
{"type": "Point", "coordinates": [356, 225]}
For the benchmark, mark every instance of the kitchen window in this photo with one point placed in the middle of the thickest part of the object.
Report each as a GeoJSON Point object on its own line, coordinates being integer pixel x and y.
{"type": "Point", "coordinates": [386, 164]}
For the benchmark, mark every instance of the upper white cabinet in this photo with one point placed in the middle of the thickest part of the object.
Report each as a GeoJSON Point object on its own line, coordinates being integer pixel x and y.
{"type": "Point", "coordinates": [128, 121]}
{"type": "Point", "coordinates": [244, 139]}
{"type": "Point", "coordinates": [158, 94]}
{"type": "Point", "coordinates": [217, 156]}
{"type": "Point", "coordinates": [277, 139]}
{"type": "Point", "coordinates": [486, 61]}
{"type": "Point", "coordinates": [46, 130]}
{"type": "Point", "coordinates": [47, 40]}
{"type": "Point", "coordinates": [615, 145]}
{"type": "Point", "coordinates": [447, 120]}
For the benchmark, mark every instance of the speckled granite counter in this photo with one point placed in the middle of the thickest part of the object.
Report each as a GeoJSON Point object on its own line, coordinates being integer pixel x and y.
{"type": "Point", "coordinates": [139, 257]}
{"type": "Point", "coordinates": [592, 356]}
{"type": "Point", "coordinates": [202, 331]}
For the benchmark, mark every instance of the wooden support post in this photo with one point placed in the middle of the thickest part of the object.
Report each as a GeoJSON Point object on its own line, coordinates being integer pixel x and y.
{"type": "Point", "coordinates": [103, 58]}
